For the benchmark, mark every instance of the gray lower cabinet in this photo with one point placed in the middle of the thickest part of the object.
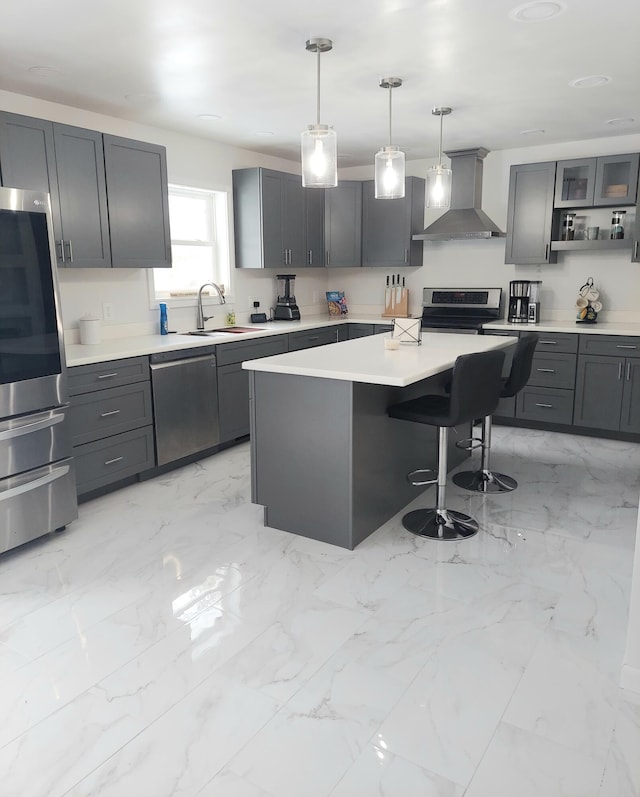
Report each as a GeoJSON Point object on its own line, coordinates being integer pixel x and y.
{"type": "Point", "coordinates": [389, 224]}
{"type": "Point", "coordinates": [111, 421]}
{"type": "Point", "coordinates": [343, 225]}
{"type": "Point", "coordinates": [310, 338]}
{"type": "Point", "coordinates": [233, 381]}
{"type": "Point", "coordinates": [138, 202]}
{"type": "Point", "coordinates": [360, 330]}
{"type": "Point", "coordinates": [530, 214]}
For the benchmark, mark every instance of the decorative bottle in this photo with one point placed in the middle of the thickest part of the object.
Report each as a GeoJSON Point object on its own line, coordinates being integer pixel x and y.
{"type": "Point", "coordinates": [164, 320]}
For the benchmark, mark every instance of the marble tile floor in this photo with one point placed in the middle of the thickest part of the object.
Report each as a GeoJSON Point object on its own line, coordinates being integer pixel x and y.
{"type": "Point", "coordinates": [169, 645]}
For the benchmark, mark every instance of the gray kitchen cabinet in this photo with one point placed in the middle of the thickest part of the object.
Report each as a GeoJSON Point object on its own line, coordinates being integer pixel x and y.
{"type": "Point", "coordinates": [111, 422]}
{"type": "Point", "coordinates": [360, 331]}
{"type": "Point", "coordinates": [268, 209]}
{"type": "Point", "coordinates": [635, 234]}
{"type": "Point", "coordinates": [389, 224]}
{"type": "Point", "coordinates": [530, 216]}
{"type": "Point", "coordinates": [379, 329]}
{"type": "Point", "coordinates": [608, 180]}
{"type": "Point", "coordinates": [233, 381]}
{"type": "Point", "coordinates": [544, 404]}
{"type": "Point", "coordinates": [138, 202]}
{"type": "Point", "coordinates": [68, 163]}
{"type": "Point", "coordinates": [343, 225]}
{"type": "Point", "coordinates": [314, 199]}
{"type": "Point", "coordinates": [309, 338]}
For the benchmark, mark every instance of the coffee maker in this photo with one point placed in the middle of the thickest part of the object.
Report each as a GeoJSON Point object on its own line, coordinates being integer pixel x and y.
{"type": "Point", "coordinates": [286, 307]}
{"type": "Point", "coordinates": [533, 316]}
{"type": "Point", "coordinates": [519, 291]}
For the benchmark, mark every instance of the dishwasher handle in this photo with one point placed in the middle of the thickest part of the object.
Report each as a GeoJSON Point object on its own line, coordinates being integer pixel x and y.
{"type": "Point", "coordinates": [178, 355]}
{"type": "Point", "coordinates": [158, 366]}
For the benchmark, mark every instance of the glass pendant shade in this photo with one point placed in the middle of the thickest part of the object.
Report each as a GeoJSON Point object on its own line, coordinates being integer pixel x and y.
{"type": "Point", "coordinates": [389, 173]}
{"type": "Point", "coordinates": [319, 157]}
{"type": "Point", "coordinates": [438, 187]}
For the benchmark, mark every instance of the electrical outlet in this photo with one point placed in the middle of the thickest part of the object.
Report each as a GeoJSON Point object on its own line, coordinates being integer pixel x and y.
{"type": "Point", "coordinates": [107, 311]}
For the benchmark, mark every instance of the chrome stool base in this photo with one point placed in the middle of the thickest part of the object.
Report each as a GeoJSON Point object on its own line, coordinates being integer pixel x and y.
{"type": "Point", "coordinates": [440, 524]}
{"type": "Point", "coordinates": [485, 481]}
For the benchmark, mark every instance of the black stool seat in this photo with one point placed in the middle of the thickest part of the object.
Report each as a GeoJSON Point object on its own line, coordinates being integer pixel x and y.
{"type": "Point", "coordinates": [484, 480]}
{"type": "Point", "coordinates": [475, 391]}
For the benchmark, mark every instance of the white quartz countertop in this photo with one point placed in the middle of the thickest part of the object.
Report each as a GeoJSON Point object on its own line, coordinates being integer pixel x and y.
{"type": "Point", "coordinates": [367, 360]}
{"type": "Point", "coordinates": [600, 328]}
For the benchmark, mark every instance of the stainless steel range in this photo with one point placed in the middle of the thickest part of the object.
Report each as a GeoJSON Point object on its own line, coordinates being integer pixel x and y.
{"type": "Point", "coordinates": [37, 482]}
{"type": "Point", "coordinates": [460, 309]}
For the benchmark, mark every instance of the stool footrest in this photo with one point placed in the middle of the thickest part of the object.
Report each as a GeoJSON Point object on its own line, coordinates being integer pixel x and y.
{"type": "Point", "coordinates": [416, 477]}
{"type": "Point", "coordinates": [470, 443]}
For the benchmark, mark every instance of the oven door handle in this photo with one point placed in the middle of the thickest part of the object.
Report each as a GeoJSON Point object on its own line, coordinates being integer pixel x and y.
{"type": "Point", "coordinates": [53, 475]}
{"type": "Point", "coordinates": [43, 422]}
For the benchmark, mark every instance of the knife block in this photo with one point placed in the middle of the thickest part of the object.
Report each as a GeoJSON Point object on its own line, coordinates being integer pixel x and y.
{"type": "Point", "coordinates": [396, 303]}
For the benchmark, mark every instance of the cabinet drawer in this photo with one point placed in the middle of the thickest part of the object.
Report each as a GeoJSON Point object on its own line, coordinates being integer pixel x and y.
{"type": "Point", "coordinates": [360, 330]}
{"type": "Point", "coordinates": [107, 461]}
{"type": "Point", "coordinates": [553, 370]}
{"type": "Point", "coordinates": [93, 416]}
{"type": "Point", "coordinates": [564, 342]}
{"type": "Point", "coordinates": [614, 345]}
{"type": "Point", "coordinates": [311, 337]}
{"type": "Point", "coordinates": [241, 351]}
{"type": "Point", "coordinates": [379, 329]}
{"type": "Point", "coordinates": [545, 404]}
{"type": "Point", "coordinates": [85, 378]}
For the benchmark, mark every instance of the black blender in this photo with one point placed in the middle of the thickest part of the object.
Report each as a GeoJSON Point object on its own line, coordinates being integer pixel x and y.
{"type": "Point", "coordinates": [286, 307]}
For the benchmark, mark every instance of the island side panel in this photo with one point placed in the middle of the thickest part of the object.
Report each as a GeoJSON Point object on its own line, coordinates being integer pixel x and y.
{"type": "Point", "coordinates": [301, 454]}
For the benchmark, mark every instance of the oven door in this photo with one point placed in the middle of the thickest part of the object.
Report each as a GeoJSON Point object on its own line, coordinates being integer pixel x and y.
{"type": "Point", "coordinates": [31, 354]}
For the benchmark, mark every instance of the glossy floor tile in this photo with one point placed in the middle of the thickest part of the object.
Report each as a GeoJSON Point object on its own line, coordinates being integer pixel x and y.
{"type": "Point", "coordinates": [167, 644]}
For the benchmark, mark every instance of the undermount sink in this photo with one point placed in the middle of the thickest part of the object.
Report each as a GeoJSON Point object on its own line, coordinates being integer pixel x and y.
{"type": "Point", "coordinates": [207, 333]}
{"type": "Point", "coordinates": [222, 331]}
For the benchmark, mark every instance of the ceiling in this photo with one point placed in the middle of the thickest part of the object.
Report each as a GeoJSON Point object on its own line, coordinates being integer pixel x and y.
{"type": "Point", "coordinates": [168, 62]}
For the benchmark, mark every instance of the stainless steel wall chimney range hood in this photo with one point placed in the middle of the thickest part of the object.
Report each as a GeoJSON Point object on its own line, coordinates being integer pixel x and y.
{"type": "Point", "coordinates": [464, 219]}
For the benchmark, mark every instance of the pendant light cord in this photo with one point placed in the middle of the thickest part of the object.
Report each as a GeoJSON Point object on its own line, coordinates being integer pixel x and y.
{"type": "Point", "coordinates": [318, 90]}
{"type": "Point", "coordinates": [440, 143]}
{"type": "Point", "coordinates": [390, 91]}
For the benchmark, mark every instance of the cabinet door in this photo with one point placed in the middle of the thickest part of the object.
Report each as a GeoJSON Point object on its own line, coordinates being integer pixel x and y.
{"type": "Point", "coordinates": [388, 224]}
{"type": "Point", "coordinates": [530, 214]}
{"type": "Point", "coordinates": [616, 180]}
{"type": "Point", "coordinates": [343, 224]}
{"type": "Point", "coordinates": [575, 182]}
{"type": "Point", "coordinates": [28, 160]}
{"type": "Point", "coordinates": [599, 386]}
{"type": "Point", "coordinates": [630, 415]}
{"type": "Point", "coordinates": [138, 201]}
{"type": "Point", "coordinates": [233, 402]}
{"type": "Point", "coordinates": [83, 197]}
{"type": "Point", "coordinates": [635, 236]}
{"type": "Point", "coordinates": [293, 220]}
{"type": "Point", "coordinates": [273, 244]}
{"type": "Point", "coordinates": [314, 226]}
{"type": "Point", "coordinates": [360, 331]}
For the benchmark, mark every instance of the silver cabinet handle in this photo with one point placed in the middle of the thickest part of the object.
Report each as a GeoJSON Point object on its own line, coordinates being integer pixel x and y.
{"type": "Point", "coordinates": [548, 342]}
{"type": "Point", "coordinates": [628, 371]}
{"type": "Point", "coordinates": [546, 370]}
{"type": "Point", "coordinates": [112, 461]}
{"type": "Point", "coordinates": [315, 337]}
{"type": "Point", "coordinates": [284, 257]}
{"type": "Point", "coordinates": [620, 370]}
{"type": "Point", "coordinates": [406, 255]}
{"type": "Point", "coordinates": [107, 376]}
{"type": "Point", "coordinates": [546, 251]}
{"type": "Point", "coordinates": [106, 414]}
{"type": "Point", "coordinates": [310, 257]}
{"type": "Point", "coordinates": [51, 419]}
{"type": "Point", "coordinates": [327, 257]}
{"type": "Point", "coordinates": [635, 249]}
{"type": "Point", "coordinates": [56, 473]}
{"type": "Point", "coordinates": [625, 346]}
{"type": "Point", "coordinates": [70, 248]}
{"type": "Point", "coordinates": [548, 406]}
{"type": "Point", "coordinates": [60, 244]}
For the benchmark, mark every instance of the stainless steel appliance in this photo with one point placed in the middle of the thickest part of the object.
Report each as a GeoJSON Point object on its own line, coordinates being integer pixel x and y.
{"type": "Point", "coordinates": [37, 481]}
{"type": "Point", "coordinates": [533, 314]}
{"type": "Point", "coordinates": [459, 309]}
{"type": "Point", "coordinates": [519, 291]}
{"type": "Point", "coordinates": [286, 307]}
{"type": "Point", "coordinates": [185, 402]}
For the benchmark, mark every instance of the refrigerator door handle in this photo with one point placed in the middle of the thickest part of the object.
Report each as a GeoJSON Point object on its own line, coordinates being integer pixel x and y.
{"type": "Point", "coordinates": [53, 475]}
{"type": "Point", "coordinates": [51, 419]}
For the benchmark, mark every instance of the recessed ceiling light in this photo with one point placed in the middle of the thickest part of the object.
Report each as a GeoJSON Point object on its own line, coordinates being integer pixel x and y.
{"type": "Point", "coordinates": [539, 11]}
{"type": "Point", "coordinates": [621, 120]}
{"type": "Point", "coordinates": [209, 117]}
{"type": "Point", "coordinates": [531, 131]}
{"type": "Point", "coordinates": [45, 71]}
{"type": "Point", "coordinates": [589, 82]}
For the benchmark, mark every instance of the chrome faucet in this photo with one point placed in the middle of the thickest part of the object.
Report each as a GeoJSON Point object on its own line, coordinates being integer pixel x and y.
{"type": "Point", "coordinates": [201, 317]}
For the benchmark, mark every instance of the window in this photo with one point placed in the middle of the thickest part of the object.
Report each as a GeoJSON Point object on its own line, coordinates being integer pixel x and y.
{"type": "Point", "coordinates": [199, 243]}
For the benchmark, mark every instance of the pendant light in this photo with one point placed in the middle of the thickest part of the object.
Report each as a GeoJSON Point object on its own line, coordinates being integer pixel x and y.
{"type": "Point", "coordinates": [389, 161]}
{"type": "Point", "coordinates": [319, 142]}
{"type": "Point", "coordinates": [439, 177]}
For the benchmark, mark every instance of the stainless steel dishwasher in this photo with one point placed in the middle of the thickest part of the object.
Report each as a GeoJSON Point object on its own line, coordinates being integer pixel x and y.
{"type": "Point", "coordinates": [185, 402]}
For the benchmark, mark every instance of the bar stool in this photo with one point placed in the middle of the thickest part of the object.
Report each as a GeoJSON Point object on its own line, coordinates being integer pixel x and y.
{"type": "Point", "coordinates": [485, 480]}
{"type": "Point", "coordinates": [475, 391]}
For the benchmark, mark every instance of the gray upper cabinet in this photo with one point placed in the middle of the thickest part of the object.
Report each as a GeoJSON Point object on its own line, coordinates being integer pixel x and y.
{"type": "Point", "coordinates": [575, 181]}
{"type": "Point", "coordinates": [530, 214]}
{"type": "Point", "coordinates": [67, 162]}
{"type": "Point", "coordinates": [268, 209]}
{"type": "Point", "coordinates": [138, 202]}
{"type": "Point", "coordinates": [314, 226]}
{"type": "Point", "coordinates": [592, 182]}
{"type": "Point", "coordinates": [389, 224]}
{"type": "Point", "coordinates": [343, 224]}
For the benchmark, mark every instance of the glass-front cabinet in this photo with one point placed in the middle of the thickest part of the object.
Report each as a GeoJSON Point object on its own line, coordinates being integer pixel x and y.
{"type": "Point", "coordinates": [592, 182]}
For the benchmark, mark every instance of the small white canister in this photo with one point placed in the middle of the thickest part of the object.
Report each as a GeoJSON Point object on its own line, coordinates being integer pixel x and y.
{"type": "Point", "coordinates": [90, 332]}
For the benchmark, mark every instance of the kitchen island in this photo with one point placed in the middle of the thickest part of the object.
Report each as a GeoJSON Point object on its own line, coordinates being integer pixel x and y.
{"type": "Point", "coordinates": [326, 461]}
